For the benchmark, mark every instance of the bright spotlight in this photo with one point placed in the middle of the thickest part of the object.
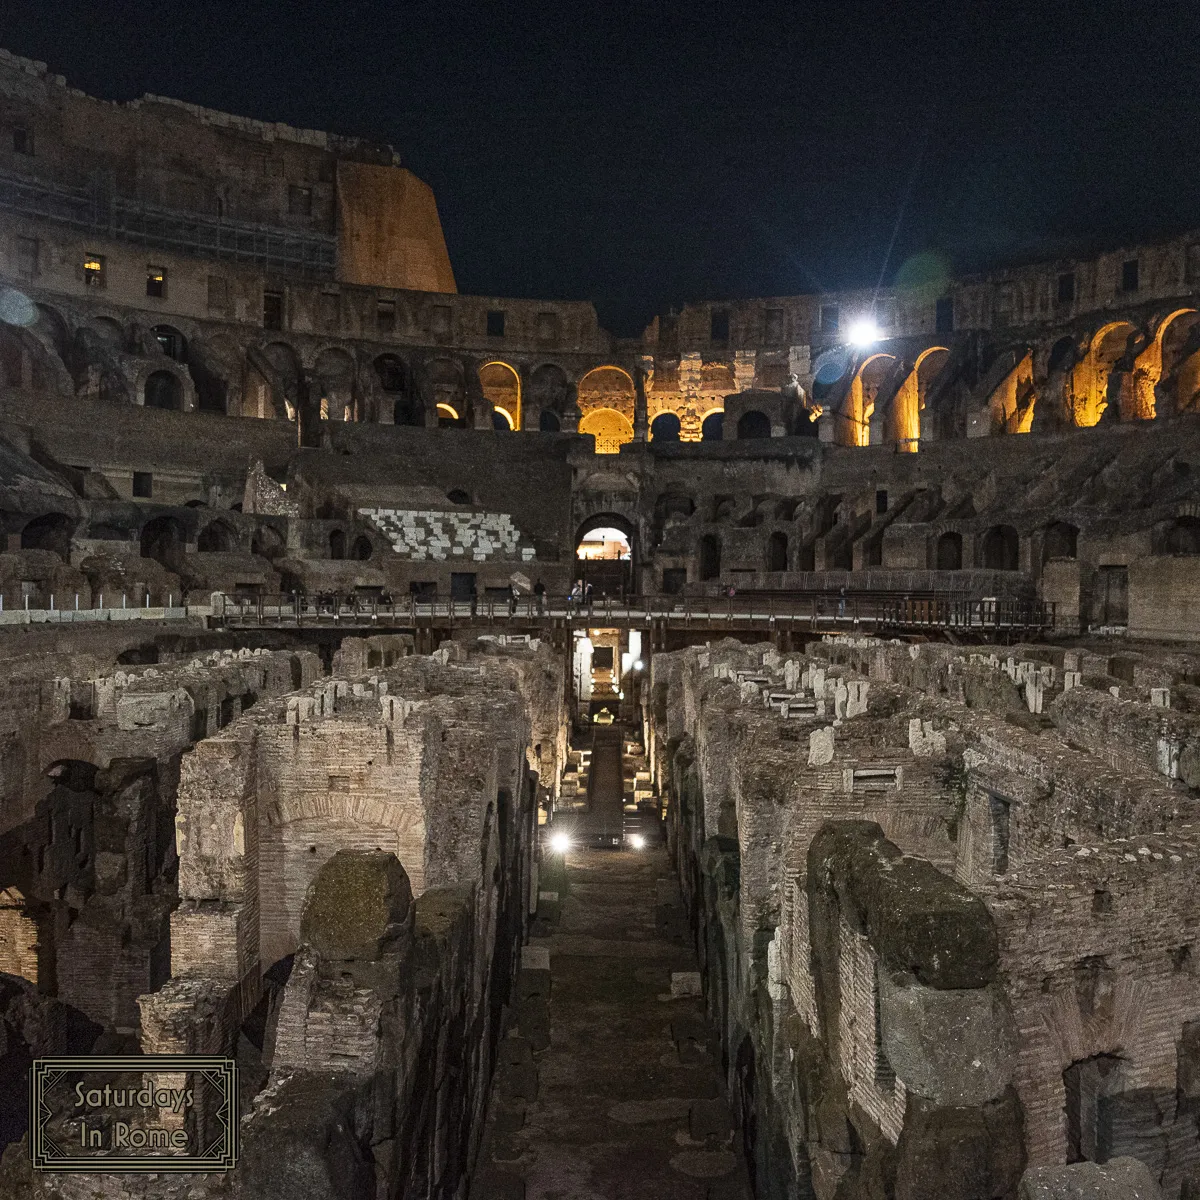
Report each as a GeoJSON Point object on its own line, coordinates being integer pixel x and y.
{"type": "Point", "coordinates": [864, 331]}
{"type": "Point", "coordinates": [560, 843]}
{"type": "Point", "coordinates": [638, 842]}
{"type": "Point", "coordinates": [637, 666]}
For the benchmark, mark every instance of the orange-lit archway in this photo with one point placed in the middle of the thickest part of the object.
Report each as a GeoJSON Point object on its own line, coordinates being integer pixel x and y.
{"type": "Point", "coordinates": [501, 385]}
{"type": "Point", "coordinates": [607, 387]}
{"type": "Point", "coordinates": [1094, 385]}
{"type": "Point", "coordinates": [1170, 355]}
{"type": "Point", "coordinates": [610, 428]}
{"type": "Point", "coordinates": [853, 426]}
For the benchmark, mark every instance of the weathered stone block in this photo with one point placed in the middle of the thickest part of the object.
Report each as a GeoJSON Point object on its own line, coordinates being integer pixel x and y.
{"type": "Point", "coordinates": [359, 903]}
{"type": "Point", "coordinates": [1117, 1179]}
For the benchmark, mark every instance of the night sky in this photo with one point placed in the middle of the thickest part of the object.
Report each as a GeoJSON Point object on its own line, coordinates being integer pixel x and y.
{"type": "Point", "coordinates": [644, 155]}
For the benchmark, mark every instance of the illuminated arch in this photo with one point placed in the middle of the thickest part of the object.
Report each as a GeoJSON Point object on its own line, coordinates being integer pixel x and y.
{"type": "Point", "coordinates": [1167, 356]}
{"type": "Point", "coordinates": [505, 415]}
{"type": "Point", "coordinates": [607, 387]}
{"type": "Point", "coordinates": [854, 427]}
{"type": "Point", "coordinates": [450, 412]}
{"type": "Point", "coordinates": [1091, 380]}
{"type": "Point", "coordinates": [501, 385]}
{"type": "Point", "coordinates": [610, 428]}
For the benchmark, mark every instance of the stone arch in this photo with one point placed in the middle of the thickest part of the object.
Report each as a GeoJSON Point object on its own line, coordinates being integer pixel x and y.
{"type": "Point", "coordinates": [607, 388]}
{"type": "Point", "coordinates": [52, 326]}
{"type": "Point", "coordinates": [1097, 381]}
{"type": "Point", "coordinates": [501, 384]}
{"type": "Point", "coordinates": [212, 366]}
{"type": "Point", "coordinates": [610, 428]}
{"type": "Point", "coordinates": [1000, 549]}
{"type": "Point", "coordinates": [273, 382]}
{"type": "Point", "coordinates": [712, 426]}
{"type": "Point", "coordinates": [162, 539]}
{"type": "Point", "coordinates": [905, 419]}
{"type": "Point", "coordinates": [548, 421]}
{"type": "Point", "coordinates": [1169, 368]}
{"type": "Point", "coordinates": [267, 542]}
{"type": "Point", "coordinates": [665, 428]}
{"type": "Point", "coordinates": [216, 537]}
{"type": "Point", "coordinates": [162, 389]}
{"type": "Point", "coordinates": [853, 425]}
{"type": "Point", "coordinates": [362, 549]}
{"type": "Point", "coordinates": [753, 424]}
{"type": "Point", "coordinates": [109, 328]}
{"type": "Point", "coordinates": [397, 391]}
{"type": "Point", "coordinates": [549, 392]}
{"type": "Point", "coordinates": [336, 377]}
{"type": "Point", "coordinates": [1060, 540]}
{"type": "Point", "coordinates": [50, 531]}
{"type": "Point", "coordinates": [609, 520]}
{"type": "Point", "coordinates": [1182, 536]}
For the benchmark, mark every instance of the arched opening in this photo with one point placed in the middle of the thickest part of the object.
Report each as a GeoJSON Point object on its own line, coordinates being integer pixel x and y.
{"type": "Point", "coordinates": [777, 551]}
{"type": "Point", "coordinates": [710, 557]}
{"type": "Point", "coordinates": [948, 555]}
{"type": "Point", "coordinates": [858, 407]}
{"type": "Point", "coordinates": [665, 428]}
{"type": "Point", "coordinates": [604, 544]}
{"type": "Point", "coordinates": [362, 548]}
{"type": "Point", "coordinates": [753, 424]}
{"type": "Point", "coordinates": [1059, 541]}
{"type": "Point", "coordinates": [1179, 339]}
{"type": "Point", "coordinates": [163, 390]}
{"type": "Point", "coordinates": [337, 544]}
{"type": "Point", "coordinates": [1001, 549]}
{"type": "Point", "coordinates": [458, 496]}
{"type": "Point", "coordinates": [272, 383]}
{"type": "Point", "coordinates": [548, 421]}
{"type": "Point", "coordinates": [1097, 380]}
{"type": "Point", "coordinates": [502, 422]}
{"type": "Point", "coordinates": [49, 532]}
{"type": "Point", "coordinates": [334, 370]}
{"type": "Point", "coordinates": [173, 343]}
{"type": "Point", "coordinates": [712, 429]}
{"type": "Point", "coordinates": [610, 428]}
{"type": "Point", "coordinates": [1182, 536]}
{"type": "Point", "coordinates": [501, 386]}
{"type": "Point", "coordinates": [607, 387]}
{"type": "Point", "coordinates": [162, 540]}
{"type": "Point", "coordinates": [549, 390]}
{"type": "Point", "coordinates": [448, 418]}
{"type": "Point", "coordinates": [215, 538]}
{"type": "Point", "coordinates": [391, 373]}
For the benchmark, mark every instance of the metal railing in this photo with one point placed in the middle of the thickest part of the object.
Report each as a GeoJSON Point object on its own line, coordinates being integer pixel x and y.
{"type": "Point", "coordinates": [869, 612]}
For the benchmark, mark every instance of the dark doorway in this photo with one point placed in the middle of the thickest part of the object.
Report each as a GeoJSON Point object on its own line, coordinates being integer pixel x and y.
{"type": "Point", "coordinates": [1059, 541]}
{"type": "Point", "coordinates": [1001, 548]}
{"type": "Point", "coordinates": [713, 429]}
{"type": "Point", "coordinates": [949, 552]}
{"type": "Point", "coordinates": [337, 544]}
{"type": "Point", "coordinates": [1110, 596]}
{"type": "Point", "coordinates": [710, 557]}
{"type": "Point", "coordinates": [163, 390]}
{"type": "Point", "coordinates": [162, 540]}
{"type": "Point", "coordinates": [753, 424]}
{"type": "Point", "coordinates": [548, 421]}
{"type": "Point", "coordinates": [1088, 1086]}
{"type": "Point", "coordinates": [462, 585]}
{"type": "Point", "coordinates": [50, 532]}
{"type": "Point", "coordinates": [777, 552]}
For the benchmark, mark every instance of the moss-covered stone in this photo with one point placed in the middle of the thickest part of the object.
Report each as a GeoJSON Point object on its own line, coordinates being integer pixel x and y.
{"type": "Point", "coordinates": [358, 904]}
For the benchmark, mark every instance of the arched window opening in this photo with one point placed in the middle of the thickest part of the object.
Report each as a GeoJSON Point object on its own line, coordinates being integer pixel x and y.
{"type": "Point", "coordinates": [777, 552]}
{"type": "Point", "coordinates": [448, 418]}
{"type": "Point", "coordinates": [1001, 549]}
{"type": "Point", "coordinates": [173, 343]}
{"type": "Point", "coordinates": [215, 537]}
{"type": "Point", "coordinates": [162, 540]}
{"type": "Point", "coordinates": [337, 544]}
{"type": "Point", "coordinates": [665, 428]}
{"type": "Point", "coordinates": [1059, 541]}
{"type": "Point", "coordinates": [501, 421]}
{"type": "Point", "coordinates": [753, 424]}
{"type": "Point", "coordinates": [548, 422]}
{"type": "Point", "coordinates": [710, 557]}
{"type": "Point", "coordinates": [949, 552]}
{"type": "Point", "coordinates": [50, 532]}
{"type": "Point", "coordinates": [1183, 537]}
{"type": "Point", "coordinates": [163, 390]}
{"type": "Point", "coordinates": [458, 496]}
{"type": "Point", "coordinates": [362, 548]}
{"type": "Point", "coordinates": [713, 428]}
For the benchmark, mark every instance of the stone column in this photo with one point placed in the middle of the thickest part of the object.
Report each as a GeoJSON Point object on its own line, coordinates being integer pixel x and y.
{"type": "Point", "coordinates": [641, 421]}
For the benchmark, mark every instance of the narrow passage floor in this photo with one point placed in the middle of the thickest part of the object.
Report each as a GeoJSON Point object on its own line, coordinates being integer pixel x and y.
{"type": "Point", "coordinates": [608, 1086]}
